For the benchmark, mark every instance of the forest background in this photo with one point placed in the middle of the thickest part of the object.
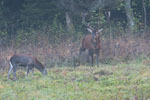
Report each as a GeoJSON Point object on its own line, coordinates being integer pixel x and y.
{"type": "Point", "coordinates": [52, 30]}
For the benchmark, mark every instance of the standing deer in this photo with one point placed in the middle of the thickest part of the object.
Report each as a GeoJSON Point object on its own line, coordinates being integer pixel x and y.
{"type": "Point", "coordinates": [18, 60]}
{"type": "Point", "coordinates": [91, 43]}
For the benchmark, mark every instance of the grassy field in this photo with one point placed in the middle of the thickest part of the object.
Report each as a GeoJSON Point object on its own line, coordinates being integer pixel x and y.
{"type": "Point", "coordinates": [108, 82]}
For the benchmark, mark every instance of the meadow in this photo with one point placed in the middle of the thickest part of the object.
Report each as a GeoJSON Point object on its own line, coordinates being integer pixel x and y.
{"type": "Point", "coordinates": [122, 81]}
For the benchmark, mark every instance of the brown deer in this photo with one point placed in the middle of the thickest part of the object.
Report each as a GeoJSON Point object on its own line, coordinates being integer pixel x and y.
{"type": "Point", "coordinates": [20, 60]}
{"type": "Point", "coordinates": [91, 43]}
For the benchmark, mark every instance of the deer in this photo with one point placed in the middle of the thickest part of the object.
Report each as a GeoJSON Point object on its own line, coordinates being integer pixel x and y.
{"type": "Point", "coordinates": [91, 42]}
{"type": "Point", "coordinates": [28, 61]}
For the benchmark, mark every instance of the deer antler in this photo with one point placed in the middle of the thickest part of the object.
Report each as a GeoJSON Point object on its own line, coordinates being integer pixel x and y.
{"type": "Point", "coordinates": [88, 25]}
{"type": "Point", "coordinates": [84, 22]}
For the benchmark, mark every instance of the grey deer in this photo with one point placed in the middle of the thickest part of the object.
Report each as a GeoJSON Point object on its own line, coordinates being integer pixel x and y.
{"type": "Point", "coordinates": [21, 60]}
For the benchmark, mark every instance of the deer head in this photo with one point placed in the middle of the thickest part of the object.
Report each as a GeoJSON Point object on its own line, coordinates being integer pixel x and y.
{"type": "Point", "coordinates": [92, 30]}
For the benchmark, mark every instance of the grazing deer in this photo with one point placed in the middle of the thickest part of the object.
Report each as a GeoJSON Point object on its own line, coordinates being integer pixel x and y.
{"type": "Point", "coordinates": [91, 43]}
{"type": "Point", "coordinates": [17, 60]}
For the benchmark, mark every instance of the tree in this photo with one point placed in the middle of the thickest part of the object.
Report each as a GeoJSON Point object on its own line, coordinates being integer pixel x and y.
{"type": "Point", "coordinates": [145, 13]}
{"type": "Point", "coordinates": [129, 14]}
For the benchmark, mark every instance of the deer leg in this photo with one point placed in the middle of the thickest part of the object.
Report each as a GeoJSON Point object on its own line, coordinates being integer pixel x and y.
{"type": "Point", "coordinates": [32, 71]}
{"type": "Point", "coordinates": [91, 55]}
{"type": "Point", "coordinates": [14, 72]}
{"type": "Point", "coordinates": [87, 58]}
{"type": "Point", "coordinates": [10, 69]}
{"type": "Point", "coordinates": [81, 49]}
{"type": "Point", "coordinates": [27, 72]}
{"type": "Point", "coordinates": [92, 59]}
{"type": "Point", "coordinates": [97, 58]}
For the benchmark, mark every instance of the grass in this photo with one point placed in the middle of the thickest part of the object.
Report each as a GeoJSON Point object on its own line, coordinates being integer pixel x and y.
{"type": "Point", "coordinates": [108, 82]}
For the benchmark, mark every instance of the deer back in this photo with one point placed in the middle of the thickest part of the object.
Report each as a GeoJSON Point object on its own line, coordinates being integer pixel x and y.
{"type": "Point", "coordinates": [23, 60]}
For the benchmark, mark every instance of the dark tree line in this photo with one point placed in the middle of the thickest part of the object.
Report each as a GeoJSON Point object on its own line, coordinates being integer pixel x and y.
{"type": "Point", "coordinates": [19, 19]}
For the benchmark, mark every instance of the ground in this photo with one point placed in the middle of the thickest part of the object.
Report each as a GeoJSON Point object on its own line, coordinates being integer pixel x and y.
{"type": "Point", "coordinates": [123, 81]}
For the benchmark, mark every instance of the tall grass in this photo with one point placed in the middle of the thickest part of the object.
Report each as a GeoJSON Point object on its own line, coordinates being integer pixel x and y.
{"type": "Point", "coordinates": [66, 53]}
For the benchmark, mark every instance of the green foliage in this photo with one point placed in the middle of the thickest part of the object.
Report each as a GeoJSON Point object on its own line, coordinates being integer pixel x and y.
{"type": "Point", "coordinates": [3, 35]}
{"type": "Point", "coordinates": [22, 17]}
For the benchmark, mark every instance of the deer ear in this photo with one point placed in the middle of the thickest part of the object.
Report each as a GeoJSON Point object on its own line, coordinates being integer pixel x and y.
{"type": "Point", "coordinates": [99, 30]}
{"type": "Point", "coordinates": [90, 30]}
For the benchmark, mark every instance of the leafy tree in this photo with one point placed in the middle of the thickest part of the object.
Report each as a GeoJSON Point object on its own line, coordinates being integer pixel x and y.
{"type": "Point", "coordinates": [63, 18]}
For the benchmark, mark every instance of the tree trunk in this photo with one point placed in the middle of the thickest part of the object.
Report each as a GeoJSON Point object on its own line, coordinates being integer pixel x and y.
{"type": "Point", "coordinates": [129, 14]}
{"type": "Point", "coordinates": [144, 9]}
{"type": "Point", "coordinates": [2, 2]}
{"type": "Point", "coordinates": [70, 27]}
